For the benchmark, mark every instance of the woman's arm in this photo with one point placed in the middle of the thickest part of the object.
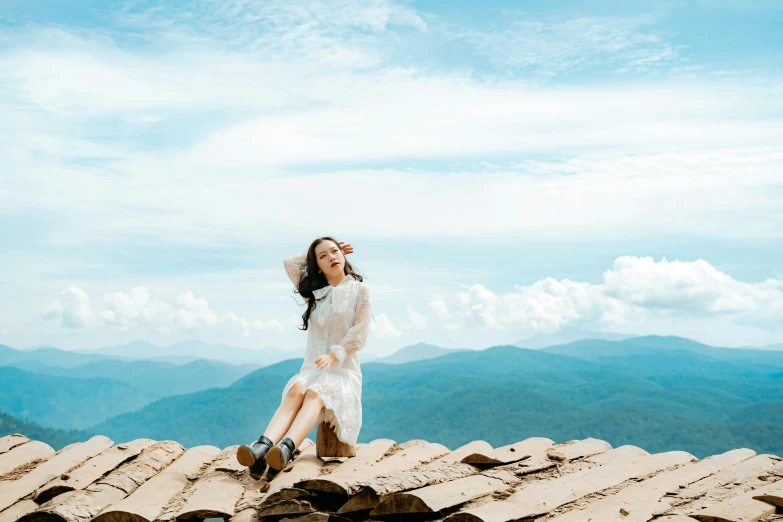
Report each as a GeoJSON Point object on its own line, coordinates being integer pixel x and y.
{"type": "Point", "coordinates": [295, 267]}
{"type": "Point", "coordinates": [356, 337]}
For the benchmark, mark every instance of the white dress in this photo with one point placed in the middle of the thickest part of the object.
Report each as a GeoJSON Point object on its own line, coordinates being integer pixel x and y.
{"type": "Point", "coordinates": [338, 324]}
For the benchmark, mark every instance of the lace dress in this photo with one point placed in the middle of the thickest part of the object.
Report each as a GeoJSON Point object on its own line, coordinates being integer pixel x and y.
{"type": "Point", "coordinates": [338, 324]}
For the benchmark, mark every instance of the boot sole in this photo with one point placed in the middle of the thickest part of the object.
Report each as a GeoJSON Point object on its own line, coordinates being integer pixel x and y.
{"type": "Point", "coordinates": [245, 457]}
{"type": "Point", "coordinates": [274, 458]}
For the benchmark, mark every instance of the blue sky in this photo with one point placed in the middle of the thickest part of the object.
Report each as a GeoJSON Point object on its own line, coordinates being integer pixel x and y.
{"type": "Point", "coordinates": [503, 169]}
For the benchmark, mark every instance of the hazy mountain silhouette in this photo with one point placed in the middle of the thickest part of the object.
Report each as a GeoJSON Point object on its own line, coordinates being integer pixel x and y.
{"type": "Point", "coordinates": [659, 397]}
{"type": "Point", "coordinates": [197, 349]}
{"type": "Point", "coordinates": [657, 392]}
{"type": "Point", "coordinates": [417, 352]}
{"type": "Point", "coordinates": [66, 402]}
{"type": "Point", "coordinates": [566, 335]}
{"type": "Point", "coordinates": [591, 349]}
{"type": "Point", "coordinates": [48, 356]}
{"type": "Point", "coordinates": [158, 378]}
{"type": "Point", "coordinates": [64, 389]}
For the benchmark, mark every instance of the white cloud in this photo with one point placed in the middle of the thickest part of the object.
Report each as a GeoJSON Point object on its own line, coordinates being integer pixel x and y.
{"type": "Point", "coordinates": [634, 290]}
{"type": "Point", "coordinates": [547, 49]}
{"type": "Point", "coordinates": [292, 120]}
{"type": "Point", "coordinates": [232, 320]}
{"type": "Point", "coordinates": [456, 116]}
{"type": "Point", "coordinates": [382, 327]}
{"type": "Point", "coordinates": [72, 310]}
{"type": "Point", "coordinates": [688, 143]}
{"type": "Point", "coordinates": [137, 309]}
{"type": "Point", "coordinates": [193, 310]}
{"type": "Point", "coordinates": [339, 33]}
{"type": "Point", "coordinates": [269, 51]}
{"type": "Point", "coordinates": [704, 192]}
{"type": "Point", "coordinates": [440, 308]}
{"type": "Point", "coordinates": [693, 286]}
{"type": "Point", "coordinates": [417, 320]}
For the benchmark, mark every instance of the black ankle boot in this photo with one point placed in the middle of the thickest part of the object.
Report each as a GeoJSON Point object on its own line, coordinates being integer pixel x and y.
{"type": "Point", "coordinates": [254, 455]}
{"type": "Point", "coordinates": [280, 454]}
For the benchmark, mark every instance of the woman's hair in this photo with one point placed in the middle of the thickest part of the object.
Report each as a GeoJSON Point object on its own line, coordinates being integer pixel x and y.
{"type": "Point", "coordinates": [313, 280]}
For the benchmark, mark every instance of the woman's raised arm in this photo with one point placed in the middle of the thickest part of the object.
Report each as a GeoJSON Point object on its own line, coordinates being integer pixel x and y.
{"type": "Point", "coordinates": [295, 267]}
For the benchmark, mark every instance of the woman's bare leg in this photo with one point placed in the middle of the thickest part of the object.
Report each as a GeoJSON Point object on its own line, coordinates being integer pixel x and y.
{"type": "Point", "coordinates": [285, 414]}
{"type": "Point", "coordinates": [305, 418]}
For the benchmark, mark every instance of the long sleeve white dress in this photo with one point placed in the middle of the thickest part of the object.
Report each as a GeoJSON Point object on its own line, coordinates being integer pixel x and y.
{"type": "Point", "coordinates": [339, 324]}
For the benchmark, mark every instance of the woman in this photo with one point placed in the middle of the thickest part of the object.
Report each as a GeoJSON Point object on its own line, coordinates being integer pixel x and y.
{"type": "Point", "coordinates": [328, 386]}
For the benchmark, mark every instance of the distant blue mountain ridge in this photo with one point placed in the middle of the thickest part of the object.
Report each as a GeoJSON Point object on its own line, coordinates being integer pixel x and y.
{"type": "Point", "coordinates": [658, 392]}
{"type": "Point", "coordinates": [648, 391]}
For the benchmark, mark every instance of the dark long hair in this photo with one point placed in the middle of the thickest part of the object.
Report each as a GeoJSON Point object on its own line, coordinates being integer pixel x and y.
{"type": "Point", "coordinates": [313, 280]}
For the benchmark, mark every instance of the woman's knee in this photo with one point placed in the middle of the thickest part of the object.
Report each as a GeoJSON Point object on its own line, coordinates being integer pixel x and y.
{"type": "Point", "coordinates": [295, 392]}
{"type": "Point", "coordinates": [311, 395]}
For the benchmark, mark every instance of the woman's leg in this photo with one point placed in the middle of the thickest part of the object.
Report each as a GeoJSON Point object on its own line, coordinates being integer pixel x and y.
{"type": "Point", "coordinates": [305, 418]}
{"type": "Point", "coordinates": [285, 414]}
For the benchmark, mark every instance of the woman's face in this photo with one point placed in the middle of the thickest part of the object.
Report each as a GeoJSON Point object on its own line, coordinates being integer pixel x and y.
{"type": "Point", "coordinates": [330, 258]}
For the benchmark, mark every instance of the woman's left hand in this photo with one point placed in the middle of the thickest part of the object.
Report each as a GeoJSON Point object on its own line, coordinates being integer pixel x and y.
{"type": "Point", "coordinates": [325, 361]}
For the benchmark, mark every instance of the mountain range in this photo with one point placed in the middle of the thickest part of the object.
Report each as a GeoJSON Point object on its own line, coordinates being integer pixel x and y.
{"type": "Point", "coordinates": [416, 352]}
{"type": "Point", "coordinates": [656, 392]}
{"type": "Point", "coordinates": [63, 389]}
{"type": "Point", "coordinates": [194, 349]}
{"type": "Point", "coordinates": [649, 391]}
{"type": "Point", "coordinates": [565, 336]}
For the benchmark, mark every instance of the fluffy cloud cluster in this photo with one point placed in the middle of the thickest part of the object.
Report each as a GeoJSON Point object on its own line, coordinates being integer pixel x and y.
{"type": "Point", "coordinates": [137, 308]}
{"type": "Point", "coordinates": [382, 327]}
{"type": "Point", "coordinates": [417, 320]}
{"type": "Point", "coordinates": [72, 310]}
{"type": "Point", "coordinates": [633, 290]}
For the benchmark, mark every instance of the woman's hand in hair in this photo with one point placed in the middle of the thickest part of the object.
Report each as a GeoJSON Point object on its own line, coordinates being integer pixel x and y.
{"type": "Point", "coordinates": [325, 361]}
{"type": "Point", "coordinates": [345, 247]}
